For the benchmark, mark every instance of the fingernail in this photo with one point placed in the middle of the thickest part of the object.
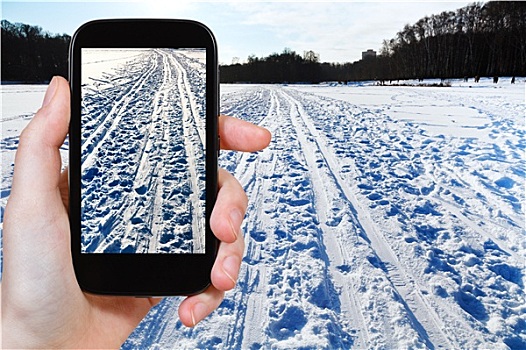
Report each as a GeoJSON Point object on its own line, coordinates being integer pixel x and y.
{"type": "Point", "coordinates": [193, 317]}
{"type": "Point", "coordinates": [236, 218]}
{"type": "Point", "coordinates": [231, 267]}
{"type": "Point", "coordinates": [199, 311]}
{"type": "Point", "coordinates": [50, 92]}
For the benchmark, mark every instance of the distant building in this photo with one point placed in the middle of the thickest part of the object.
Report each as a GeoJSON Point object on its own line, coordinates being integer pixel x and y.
{"type": "Point", "coordinates": [368, 53]}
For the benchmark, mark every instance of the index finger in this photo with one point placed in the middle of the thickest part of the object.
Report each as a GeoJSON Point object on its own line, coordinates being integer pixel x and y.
{"type": "Point", "coordinates": [239, 135]}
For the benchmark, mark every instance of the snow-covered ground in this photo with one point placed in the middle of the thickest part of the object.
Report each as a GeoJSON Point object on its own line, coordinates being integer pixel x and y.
{"type": "Point", "coordinates": [379, 217]}
{"type": "Point", "coordinates": [143, 146]}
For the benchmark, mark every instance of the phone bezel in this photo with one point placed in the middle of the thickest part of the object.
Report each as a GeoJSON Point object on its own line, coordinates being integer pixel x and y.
{"type": "Point", "coordinates": [159, 274]}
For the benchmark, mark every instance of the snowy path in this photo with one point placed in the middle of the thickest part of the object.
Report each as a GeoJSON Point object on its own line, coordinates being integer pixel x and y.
{"type": "Point", "coordinates": [135, 122]}
{"type": "Point", "coordinates": [379, 217]}
{"type": "Point", "coordinates": [368, 231]}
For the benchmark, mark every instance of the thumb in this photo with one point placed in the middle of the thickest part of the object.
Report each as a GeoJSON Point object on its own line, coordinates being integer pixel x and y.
{"type": "Point", "coordinates": [39, 290]}
{"type": "Point", "coordinates": [37, 161]}
{"type": "Point", "coordinates": [36, 226]}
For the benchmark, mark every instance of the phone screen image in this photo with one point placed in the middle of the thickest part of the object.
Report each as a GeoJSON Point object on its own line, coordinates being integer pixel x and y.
{"type": "Point", "coordinates": [143, 150]}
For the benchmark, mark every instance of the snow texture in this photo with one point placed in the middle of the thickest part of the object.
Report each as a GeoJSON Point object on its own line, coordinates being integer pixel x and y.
{"type": "Point", "coordinates": [379, 217]}
{"type": "Point", "coordinates": [143, 151]}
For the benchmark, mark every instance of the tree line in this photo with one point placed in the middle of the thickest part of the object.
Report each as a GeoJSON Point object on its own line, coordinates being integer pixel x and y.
{"type": "Point", "coordinates": [479, 39]}
{"type": "Point", "coordinates": [288, 66]}
{"type": "Point", "coordinates": [476, 40]}
{"type": "Point", "coordinates": [30, 54]}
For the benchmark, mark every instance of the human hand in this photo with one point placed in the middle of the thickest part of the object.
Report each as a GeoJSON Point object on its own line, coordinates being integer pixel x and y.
{"type": "Point", "coordinates": [42, 304]}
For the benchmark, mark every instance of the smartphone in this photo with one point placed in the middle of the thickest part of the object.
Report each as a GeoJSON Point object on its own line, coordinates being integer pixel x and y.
{"type": "Point", "coordinates": [143, 156]}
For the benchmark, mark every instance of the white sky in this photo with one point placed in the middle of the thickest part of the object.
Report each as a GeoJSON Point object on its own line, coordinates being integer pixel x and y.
{"type": "Point", "coordinates": [338, 31]}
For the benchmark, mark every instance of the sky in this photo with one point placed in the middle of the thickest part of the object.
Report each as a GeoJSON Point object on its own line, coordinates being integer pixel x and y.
{"type": "Point", "coordinates": [337, 31]}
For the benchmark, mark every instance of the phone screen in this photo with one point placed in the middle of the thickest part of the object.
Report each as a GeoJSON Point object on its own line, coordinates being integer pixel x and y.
{"type": "Point", "coordinates": [143, 143]}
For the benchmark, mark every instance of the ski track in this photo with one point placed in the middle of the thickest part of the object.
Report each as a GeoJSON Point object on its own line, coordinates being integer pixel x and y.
{"type": "Point", "coordinates": [362, 233]}
{"type": "Point", "coordinates": [363, 230]}
{"type": "Point", "coordinates": [382, 251]}
{"type": "Point", "coordinates": [134, 121]}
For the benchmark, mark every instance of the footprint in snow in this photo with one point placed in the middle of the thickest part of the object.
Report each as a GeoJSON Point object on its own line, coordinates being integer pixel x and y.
{"type": "Point", "coordinates": [141, 190]}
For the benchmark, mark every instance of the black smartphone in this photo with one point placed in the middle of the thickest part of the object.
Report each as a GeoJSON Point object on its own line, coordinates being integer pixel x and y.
{"type": "Point", "coordinates": [143, 156]}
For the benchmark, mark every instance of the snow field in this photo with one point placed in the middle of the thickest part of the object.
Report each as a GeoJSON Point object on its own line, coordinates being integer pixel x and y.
{"type": "Point", "coordinates": [373, 228]}
{"type": "Point", "coordinates": [379, 217]}
{"type": "Point", "coordinates": [136, 118]}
